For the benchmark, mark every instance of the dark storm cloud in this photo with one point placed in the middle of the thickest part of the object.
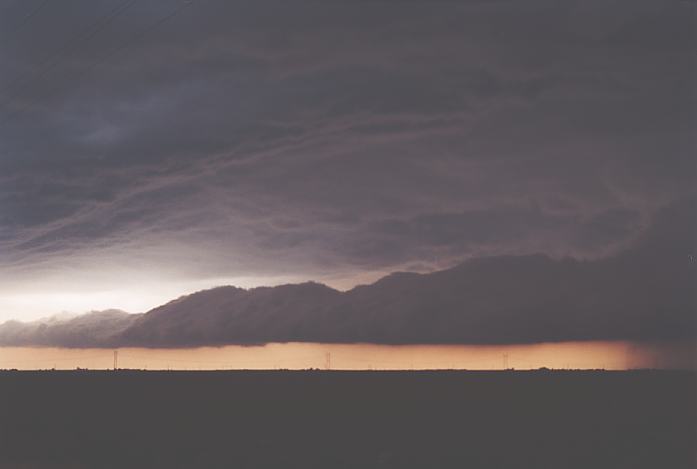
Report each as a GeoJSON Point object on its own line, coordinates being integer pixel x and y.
{"type": "Point", "coordinates": [321, 139]}
{"type": "Point", "coordinates": [89, 330]}
{"type": "Point", "coordinates": [645, 293]}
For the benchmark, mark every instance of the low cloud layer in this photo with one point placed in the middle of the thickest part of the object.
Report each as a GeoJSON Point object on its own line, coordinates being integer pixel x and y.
{"type": "Point", "coordinates": [168, 142]}
{"type": "Point", "coordinates": [644, 293]}
{"type": "Point", "coordinates": [95, 329]}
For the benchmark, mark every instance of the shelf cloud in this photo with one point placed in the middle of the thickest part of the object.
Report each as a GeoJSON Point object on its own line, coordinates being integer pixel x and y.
{"type": "Point", "coordinates": [644, 293]}
{"type": "Point", "coordinates": [333, 142]}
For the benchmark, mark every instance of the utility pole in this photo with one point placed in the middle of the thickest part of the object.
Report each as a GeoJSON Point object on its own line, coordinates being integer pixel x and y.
{"type": "Point", "coordinates": [505, 361]}
{"type": "Point", "coordinates": [116, 360]}
{"type": "Point", "coordinates": [328, 361]}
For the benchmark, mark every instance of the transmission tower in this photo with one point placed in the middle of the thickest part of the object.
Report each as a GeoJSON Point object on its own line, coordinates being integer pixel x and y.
{"type": "Point", "coordinates": [505, 361]}
{"type": "Point", "coordinates": [328, 361]}
{"type": "Point", "coordinates": [116, 360]}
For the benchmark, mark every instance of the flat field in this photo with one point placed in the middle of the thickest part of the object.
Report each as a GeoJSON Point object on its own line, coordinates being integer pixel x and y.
{"type": "Point", "coordinates": [333, 419]}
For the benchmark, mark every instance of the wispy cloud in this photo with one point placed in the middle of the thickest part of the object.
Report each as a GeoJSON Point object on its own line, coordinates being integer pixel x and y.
{"type": "Point", "coordinates": [321, 141]}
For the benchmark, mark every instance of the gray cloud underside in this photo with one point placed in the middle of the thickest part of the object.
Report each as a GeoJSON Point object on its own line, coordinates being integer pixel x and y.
{"type": "Point", "coordinates": [95, 329]}
{"type": "Point", "coordinates": [645, 292]}
{"type": "Point", "coordinates": [317, 139]}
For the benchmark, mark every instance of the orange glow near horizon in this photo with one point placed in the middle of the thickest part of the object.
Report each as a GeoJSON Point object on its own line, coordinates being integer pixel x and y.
{"type": "Point", "coordinates": [565, 355]}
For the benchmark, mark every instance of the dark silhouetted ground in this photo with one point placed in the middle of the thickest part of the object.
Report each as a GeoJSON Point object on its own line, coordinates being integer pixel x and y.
{"type": "Point", "coordinates": [348, 419]}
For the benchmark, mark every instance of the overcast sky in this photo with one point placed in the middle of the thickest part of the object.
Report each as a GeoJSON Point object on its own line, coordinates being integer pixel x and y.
{"type": "Point", "coordinates": [151, 149]}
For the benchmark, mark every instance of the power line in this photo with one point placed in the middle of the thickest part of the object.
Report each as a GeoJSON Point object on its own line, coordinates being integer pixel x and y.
{"type": "Point", "coordinates": [53, 359]}
{"type": "Point", "coordinates": [66, 50]}
{"type": "Point", "coordinates": [32, 13]}
{"type": "Point", "coordinates": [124, 46]}
{"type": "Point", "coordinates": [271, 362]}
